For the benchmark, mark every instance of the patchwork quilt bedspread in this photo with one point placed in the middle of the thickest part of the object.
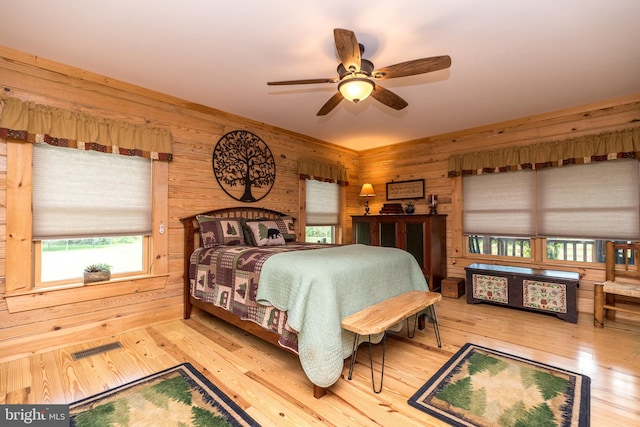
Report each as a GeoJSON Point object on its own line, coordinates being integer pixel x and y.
{"type": "Point", "coordinates": [227, 276]}
{"type": "Point", "coordinates": [303, 294]}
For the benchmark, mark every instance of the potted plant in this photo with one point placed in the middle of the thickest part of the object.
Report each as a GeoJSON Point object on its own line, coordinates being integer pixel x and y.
{"type": "Point", "coordinates": [410, 208]}
{"type": "Point", "coordinates": [97, 273]}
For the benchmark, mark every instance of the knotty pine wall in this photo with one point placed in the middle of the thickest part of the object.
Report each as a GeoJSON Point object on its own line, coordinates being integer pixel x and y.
{"type": "Point", "coordinates": [192, 189]}
{"type": "Point", "coordinates": [428, 158]}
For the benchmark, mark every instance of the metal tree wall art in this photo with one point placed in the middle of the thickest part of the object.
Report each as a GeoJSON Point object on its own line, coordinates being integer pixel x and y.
{"type": "Point", "coordinates": [244, 166]}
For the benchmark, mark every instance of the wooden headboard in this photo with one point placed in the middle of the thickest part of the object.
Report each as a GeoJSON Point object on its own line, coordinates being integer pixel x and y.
{"type": "Point", "coordinates": [192, 239]}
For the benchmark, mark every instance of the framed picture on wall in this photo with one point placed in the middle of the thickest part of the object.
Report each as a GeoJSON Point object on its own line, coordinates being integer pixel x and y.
{"type": "Point", "coordinates": [398, 190]}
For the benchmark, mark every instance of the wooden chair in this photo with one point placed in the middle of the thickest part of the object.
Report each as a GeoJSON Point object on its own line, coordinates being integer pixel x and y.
{"type": "Point", "coordinates": [621, 281]}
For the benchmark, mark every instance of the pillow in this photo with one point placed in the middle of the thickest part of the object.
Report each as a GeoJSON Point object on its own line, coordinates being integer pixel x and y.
{"type": "Point", "coordinates": [248, 234]}
{"type": "Point", "coordinates": [285, 225]}
{"type": "Point", "coordinates": [220, 231]}
{"type": "Point", "coordinates": [266, 233]}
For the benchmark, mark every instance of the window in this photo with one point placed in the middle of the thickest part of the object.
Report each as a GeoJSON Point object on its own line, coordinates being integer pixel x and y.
{"type": "Point", "coordinates": [322, 211]}
{"type": "Point", "coordinates": [519, 247]}
{"type": "Point", "coordinates": [582, 206]}
{"type": "Point", "coordinates": [500, 203]}
{"type": "Point", "coordinates": [499, 213]}
{"type": "Point", "coordinates": [570, 211]}
{"type": "Point", "coordinates": [63, 260]}
{"type": "Point", "coordinates": [89, 208]}
{"type": "Point", "coordinates": [22, 254]}
{"type": "Point", "coordinates": [25, 125]}
{"type": "Point", "coordinates": [581, 250]}
{"type": "Point", "coordinates": [599, 200]}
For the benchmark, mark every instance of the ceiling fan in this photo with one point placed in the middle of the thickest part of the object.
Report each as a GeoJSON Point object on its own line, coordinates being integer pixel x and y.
{"type": "Point", "coordinates": [357, 75]}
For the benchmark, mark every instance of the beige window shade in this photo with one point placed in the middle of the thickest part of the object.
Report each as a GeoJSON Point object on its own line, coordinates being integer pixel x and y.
{"type": "Point", "coordinates": [80, 193]}
{"type": "Point", "coordinates": [599, 201]}
{"type": "Point", "coordinates": [322, 200]}
{"type": "Point", "coordinates": [499, 204]}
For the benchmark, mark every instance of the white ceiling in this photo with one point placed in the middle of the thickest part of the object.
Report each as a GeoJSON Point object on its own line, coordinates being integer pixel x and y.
{"type": "Point", "coordinates": [510, 59]}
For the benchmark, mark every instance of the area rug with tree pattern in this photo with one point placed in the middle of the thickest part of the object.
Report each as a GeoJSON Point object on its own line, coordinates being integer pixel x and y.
{"type": "Point", "coordinates": [479, 386]}
{"type": "Point", "coordinates": [178, 396]}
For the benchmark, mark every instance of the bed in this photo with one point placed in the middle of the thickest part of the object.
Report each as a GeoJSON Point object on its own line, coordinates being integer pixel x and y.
{"type": "Point", "coordinates": [244, 266]}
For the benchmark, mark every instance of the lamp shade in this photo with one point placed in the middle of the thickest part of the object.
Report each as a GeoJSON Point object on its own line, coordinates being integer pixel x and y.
{"type": "Point", "coordinates": [355, 89]}
{"type": "Point", "coordinates": [367, 190]}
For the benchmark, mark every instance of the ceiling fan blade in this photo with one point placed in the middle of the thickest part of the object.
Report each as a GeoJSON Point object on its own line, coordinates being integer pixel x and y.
{"type": "Point", "coordinates": [388, 98]}
{"type": "Point", "coordinates": [330, 104]}
{"type": "Point", "coordinates": [348, 49]}
{"type": "Point", "coordinates": [411, 68]}
{"type": "Point", "coordinates": [303, 82]}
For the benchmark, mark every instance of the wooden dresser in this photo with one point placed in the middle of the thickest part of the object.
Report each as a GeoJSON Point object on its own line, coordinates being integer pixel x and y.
{"type": "Point", "coordinates": [424, 236]}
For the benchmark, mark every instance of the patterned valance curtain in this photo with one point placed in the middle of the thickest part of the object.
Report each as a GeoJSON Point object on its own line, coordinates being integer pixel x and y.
{"type": "Point", "coordinates": [327, 172]}
{"type": "Point", "coordinates": [623, 144]}
{"type": "Point", "coordinates": [34, 123]}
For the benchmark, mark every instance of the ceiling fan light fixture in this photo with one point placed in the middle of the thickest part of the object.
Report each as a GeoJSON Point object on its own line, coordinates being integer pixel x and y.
{"type": "Point", "coordinates": [356, 75]}
{"type": "Point", "coordinates": [356, 89]}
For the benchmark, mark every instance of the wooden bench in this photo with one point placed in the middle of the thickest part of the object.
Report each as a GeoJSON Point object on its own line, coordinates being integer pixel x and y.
{"type": "Point", "coordinates": [605, 293]}
{"type": "Point", "coordinates": [380, 317]}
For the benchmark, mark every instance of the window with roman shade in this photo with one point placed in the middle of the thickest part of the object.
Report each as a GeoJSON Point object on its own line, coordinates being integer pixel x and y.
{"type": "Point", "coordinates": [322, 201]}
{"type": "Point", "coordinates": [80, 193]}
{"type": "Point", "coordinates": [597, 201]}
{"type": "Point", "coordinates": [323, 191]}
{"type": "Point", "coordinates": [114, 178]}
{"type": "Point", "coordinates": [586, 192]}
{"type": "Point", "coordinates": [500, 204]}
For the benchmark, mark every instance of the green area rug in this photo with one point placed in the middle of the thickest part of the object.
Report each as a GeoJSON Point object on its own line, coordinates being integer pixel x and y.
{"type": "Point", "coordinates": [178, 396]}
{"type": "Point", "coordinates": [483, 387]}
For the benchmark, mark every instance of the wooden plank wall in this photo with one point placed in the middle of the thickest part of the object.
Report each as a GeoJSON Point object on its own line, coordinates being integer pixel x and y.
{"type": "Point", "coordinates": [428, 158]}
{"type": "Point", "coordinates": [192, 188]}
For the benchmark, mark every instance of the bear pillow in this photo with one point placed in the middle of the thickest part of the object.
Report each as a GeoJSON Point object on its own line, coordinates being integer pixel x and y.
{"type": "Point", "coordinates": [266, 233]}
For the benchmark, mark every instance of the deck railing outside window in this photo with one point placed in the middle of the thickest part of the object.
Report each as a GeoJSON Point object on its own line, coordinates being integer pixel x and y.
{"type": "Point", "coordinates": [557, 249]}
{"type": "Point", "coordinates": [500, 246]}
{"type": "Point", "coordinates": [575, 250]}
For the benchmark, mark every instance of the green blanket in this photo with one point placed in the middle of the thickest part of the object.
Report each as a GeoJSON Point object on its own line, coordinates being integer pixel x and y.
{"type": "Point", "coordinates": [319, 288]}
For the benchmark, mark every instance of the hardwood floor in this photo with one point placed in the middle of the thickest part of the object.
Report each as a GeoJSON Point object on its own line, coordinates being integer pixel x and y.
{"type": "Point", "coordinates": [269, 383]}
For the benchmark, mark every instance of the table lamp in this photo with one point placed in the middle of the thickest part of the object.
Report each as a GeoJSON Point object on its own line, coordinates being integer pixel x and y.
{"type": "Point", "coordinates": [367, 191]}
